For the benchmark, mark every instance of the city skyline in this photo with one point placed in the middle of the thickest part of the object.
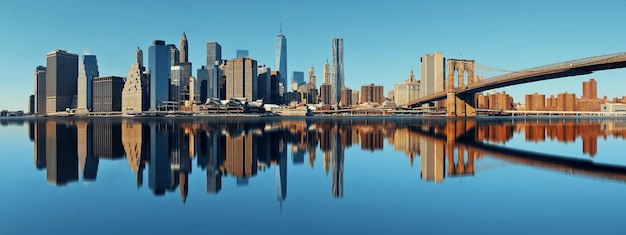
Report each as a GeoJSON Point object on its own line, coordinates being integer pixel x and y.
{"type": "Point", "coordinates": [552, 36]}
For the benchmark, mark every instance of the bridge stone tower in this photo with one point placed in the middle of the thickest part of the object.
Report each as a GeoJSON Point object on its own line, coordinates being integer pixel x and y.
{"type": "Point", "coordinates": [460, 105]}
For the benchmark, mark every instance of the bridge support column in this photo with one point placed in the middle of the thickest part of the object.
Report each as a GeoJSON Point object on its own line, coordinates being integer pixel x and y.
{"type": "Point", "coordinates": [460, 106]}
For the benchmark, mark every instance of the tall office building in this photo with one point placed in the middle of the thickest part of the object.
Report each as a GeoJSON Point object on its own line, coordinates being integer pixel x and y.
{"type": "Point", "coordinates": [177, 73]}
{"type": "Point", "coordinates": [264, 82]}
{"type": "Point", "coordinates": [326, 73]}
{"type": "Point", "coordinates": [88, 70]}
{"type": "Point", "coordinates": [432, 73]}
{"type": "Point", "coordinates": [337, 76]}
{"type": "Point", "coordinates": [40, 90]}
{"type": "Point", "coordinates": [241, 78]}
{"type": "Point", "coordinates": [174, 54]}
{"type": "Point", "coordinates": [281, 56]}
{"type": "Point", "coordinates": [61, 80]}
{"type": "Point", "coordinates": [159, 70]}
{"type": "Point", "coordinates": [205, 86]}
{"type": "Point", "coordinates": [107, 94]}
{"type": "Point", "coordinates": [297, 78]}
{"type": "Point", "coordinates": [243, 54]}
{"type": "Point", "coordinates": [312, 79]}
{"type": "Point", "coordinates": [325, 94]}
{"type": "Point", "coordinates": [213, 54]}
{"type": "Point", "coordinates": [184, 49]}
{"type": "Point", "coordinates": [139, 57]}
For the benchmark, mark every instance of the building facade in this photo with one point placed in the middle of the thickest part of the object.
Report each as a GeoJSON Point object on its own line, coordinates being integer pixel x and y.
{"type": "Point", "coordinates": [346, 99]}
{"type": "Point", "coordinates": [264, 82]}
{"type": "Point", "coordinates": [432, 73]}
{"type": "Point", "coordinates": [135, 97]}
{"type": "Point", "coordinates": [159, 69]}
{"type": "Point", "coordinates": [87, 70]}
{"type": "Point", "coordinates": [337, 75]}
{"type": "Point", "coordinates": [241, 78]}
{"type": "Point", "coordinates": [325, 94]}
{"type": "Point", "coordinates": [297, 78]}
{"type": "Point", "coordinates": [372, 94]}
{"type": "Point", "coordinates": [40, 90]}
{"type": "Point", "coordinates": [61, 80]}
{"type": "Point", "coordinates": [535, 102]}
{"type": "Point", "coordinates": [406, 91]}
{"type": "Point", "coordinates": [107, 94]}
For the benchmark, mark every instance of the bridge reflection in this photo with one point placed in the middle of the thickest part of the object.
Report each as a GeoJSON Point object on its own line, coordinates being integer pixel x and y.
{"type": "Point", "coordinates": [243, 148]}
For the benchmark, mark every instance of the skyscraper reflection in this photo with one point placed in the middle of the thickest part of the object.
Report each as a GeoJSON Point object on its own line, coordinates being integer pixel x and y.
{"type": "Point", "coordinates": [61, 156]}
{"type": "Point", "coordinates": [243, 149]}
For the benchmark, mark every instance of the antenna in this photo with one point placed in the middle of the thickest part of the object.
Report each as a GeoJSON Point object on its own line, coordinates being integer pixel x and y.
{"type": "Point", "coordinates": [281, 25]}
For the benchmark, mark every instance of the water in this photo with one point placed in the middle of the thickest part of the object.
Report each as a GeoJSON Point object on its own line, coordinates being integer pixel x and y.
{"type": "Point", "coordinates": [313, 176]}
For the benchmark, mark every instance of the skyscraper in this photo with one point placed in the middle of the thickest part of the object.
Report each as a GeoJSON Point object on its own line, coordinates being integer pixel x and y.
{"type": "Point", "coordinates": [337, 76]}
{"type": "Point", "coordinates": [88, 70]}
{"type": "Point", "coordinates": [174, 54]}
{"type": "Point", "coordinates": [297, 78]}
{"type": "Point", "coordinates": [243, 54]}
{"type": "Point", "coordinates": [184, 49]}
{"type": "Point", "coordinates": [241, 78]}
{"type": "Point", "coordinates": [312, 78]}
{"type": "Point", "coordinates": [61, 80]}
{"type": "Point", "coordinates": [264, 83]}
{"type": "Point", "coordinates": [205, 86]}
{"type": "Point", "coordinates": [40, 90]}
{"type": "Point", "coordinates": [135, 93]}
{"type": "Point", "coordinates": [139, 57]}
{"type": "Point", "coordinates": [159, 69]}
{"type": "Point", "coordinates": [281, 56]}
{"type": "Point", "coordinates": [432, 73]}
{"type": "Point", "coordinates": [213, 54]}
{"type": "Point", "coordinates": [107, 94]}
{"type": "Point", "coordinates": [177, 73]}
{"type": "Point", "coordinates": [326, 73]}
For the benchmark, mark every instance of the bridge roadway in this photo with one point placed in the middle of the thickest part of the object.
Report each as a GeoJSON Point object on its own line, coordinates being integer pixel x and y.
{"type": "Point", "coordinates": [563, 164]}
{"type": "Point", "coordinates": [552, 71]}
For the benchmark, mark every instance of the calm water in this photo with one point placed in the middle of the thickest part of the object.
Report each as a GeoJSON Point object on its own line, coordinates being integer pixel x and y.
{"type": "Point", "coordinates": [313, 176]}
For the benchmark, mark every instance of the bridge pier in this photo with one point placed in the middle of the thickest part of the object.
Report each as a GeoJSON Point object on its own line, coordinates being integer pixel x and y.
{"type": "Point", "coordinates": [460, 106]}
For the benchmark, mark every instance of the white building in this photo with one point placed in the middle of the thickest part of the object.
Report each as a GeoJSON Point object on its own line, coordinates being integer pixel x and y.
{"type": "Point", "coordinates": [406, 91]}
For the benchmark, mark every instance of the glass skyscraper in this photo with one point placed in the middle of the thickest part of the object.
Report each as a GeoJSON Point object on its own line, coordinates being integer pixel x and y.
{"type": "Point", "coordinates": [336, 76]}
{"type": "Point", "coordinates": [297, 78]}
{"type": "Point", "coordinates": [243, 54]}
{"type": "Point", "coordinates": [159, 70]}
{"type": "Point", "coordinates": [281, 56]}
{"type": "Point", "coordinates": [213, 53]}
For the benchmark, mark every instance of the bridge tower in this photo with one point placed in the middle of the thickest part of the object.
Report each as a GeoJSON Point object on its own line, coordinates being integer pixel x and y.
{"type": "Point", "coordinates": [460, 105]}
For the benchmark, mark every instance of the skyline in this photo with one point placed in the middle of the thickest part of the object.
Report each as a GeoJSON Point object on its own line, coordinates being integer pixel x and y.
{"type": "Point", "coordinates": [379, 50]}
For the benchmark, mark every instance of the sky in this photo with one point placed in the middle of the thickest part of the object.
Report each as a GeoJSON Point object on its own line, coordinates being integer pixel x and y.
{"type": "Point", "coordinates": [383, 40]}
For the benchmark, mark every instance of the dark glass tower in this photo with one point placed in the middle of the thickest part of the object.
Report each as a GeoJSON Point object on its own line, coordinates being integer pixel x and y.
{"type": "Point", "coordinates": [159, 70]}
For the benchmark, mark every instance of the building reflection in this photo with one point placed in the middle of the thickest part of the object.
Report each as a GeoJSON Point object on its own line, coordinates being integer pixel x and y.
{"type": "Point", "coordinates": [243, 149]}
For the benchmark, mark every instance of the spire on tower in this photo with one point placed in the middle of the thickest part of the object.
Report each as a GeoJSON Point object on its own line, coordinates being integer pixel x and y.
{"type": "Point", "coordinates": [281, 25]}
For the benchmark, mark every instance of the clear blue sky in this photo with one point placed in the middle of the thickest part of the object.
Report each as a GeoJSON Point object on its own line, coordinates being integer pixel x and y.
{"type": "Point", "coordinates": [382, 39]}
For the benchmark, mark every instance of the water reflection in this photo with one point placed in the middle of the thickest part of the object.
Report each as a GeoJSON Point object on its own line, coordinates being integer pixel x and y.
{"type": "Point", "coordinates": [68, 148]}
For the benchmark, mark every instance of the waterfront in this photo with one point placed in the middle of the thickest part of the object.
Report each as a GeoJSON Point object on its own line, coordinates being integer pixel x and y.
{"type": "Point", "coordinates": [313, 175]}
